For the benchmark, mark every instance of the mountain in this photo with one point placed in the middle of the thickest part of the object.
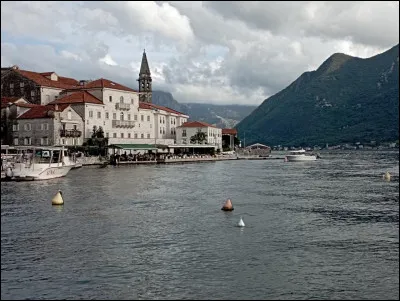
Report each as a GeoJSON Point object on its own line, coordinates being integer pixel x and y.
{"type": "Point", "coordinates": [347, 99]}
{"type": "Point", "coordinates": [222, 116]}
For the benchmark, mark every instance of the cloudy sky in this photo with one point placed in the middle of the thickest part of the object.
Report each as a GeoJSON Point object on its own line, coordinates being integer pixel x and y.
{"type": "Point", "coordinates": [211, 52]}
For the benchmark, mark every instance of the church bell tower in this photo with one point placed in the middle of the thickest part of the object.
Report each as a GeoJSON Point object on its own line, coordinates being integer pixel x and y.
{"type": "Point", "coordinates": [144, 80]}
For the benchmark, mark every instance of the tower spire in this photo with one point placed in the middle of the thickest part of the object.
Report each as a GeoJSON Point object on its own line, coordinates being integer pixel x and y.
{"type": "Point", "coordinates": [144, 67]}
{"type": "Point", "coordinates": [145, 80]}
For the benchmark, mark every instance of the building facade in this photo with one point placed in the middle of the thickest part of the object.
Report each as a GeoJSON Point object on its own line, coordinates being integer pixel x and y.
{"type": "Point", "coordinates": [187, 133]}
{"type": "Point", "coordinates": [63, 111]}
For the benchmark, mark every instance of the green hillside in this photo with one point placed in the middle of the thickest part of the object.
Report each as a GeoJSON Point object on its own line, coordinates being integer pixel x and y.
{"type": "Point", "coordinates": [347, 99]}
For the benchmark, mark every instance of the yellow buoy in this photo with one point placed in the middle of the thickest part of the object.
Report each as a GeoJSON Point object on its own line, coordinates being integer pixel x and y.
{"type": "Point", "coordinates": [57, 199]}
{"type": "Point", "coordinates": [386, 176]}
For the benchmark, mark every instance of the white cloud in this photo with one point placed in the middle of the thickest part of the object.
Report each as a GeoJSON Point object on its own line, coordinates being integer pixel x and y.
{"type": "Point", "coordinates": [220, 52]}
{"type": "Point", "coordinates": [108, 60]}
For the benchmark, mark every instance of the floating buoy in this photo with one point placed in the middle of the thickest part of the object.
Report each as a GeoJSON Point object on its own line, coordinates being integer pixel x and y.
{"type": "Point", "coordinates": [386, 176]}
{"type": "Point", "coordinates": [227, 206]}
{"type": "Point", "coordinates": [240, 223]}
{"type": "Point", "coordinates": [57, 199]}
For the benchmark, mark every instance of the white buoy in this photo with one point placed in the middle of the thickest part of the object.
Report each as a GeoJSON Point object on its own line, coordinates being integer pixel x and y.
{"type": "Point", "coordinates": [240, 223]}
{"type": "Point", "coordinates": [386, 176]}
{"type": "Point", "coordinates": [57, 199]}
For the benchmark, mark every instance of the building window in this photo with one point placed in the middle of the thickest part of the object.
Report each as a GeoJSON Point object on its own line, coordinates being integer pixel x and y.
{"type": "Point", "coordinates": [27, 141]}
{"type": "Point", "coordinates": [135, 117]}
{"type": "Point", "coordinates": [32, 93]}
{"type": "Point", "coordinates": [44, 141]}
{"type": "Point", "coordinates": [121, 99]}
{"type": "Point", "coordinates": [69, 115]}
{"type": "Point", "coordinates": [141, 117]}
{"type": "Point", "coordinates": [141, 135]}
{"type": "Point", "coordinates": [129, 116]}
{"type": "Point", "coordinates": [27, 127]}
{"type": "Point", "coordinates": [163, 130]}
{"type": "Point", "coordinates": [131, 100]}
{"type": "Point", "coordinates": [15, 141]}
{"type": "Point", "coordinates": [148, 118]}
{"type": "Point", "coordinates": [122, 116]}
{"type": "Point", "coordinates": [148, 136]}
{"type": "Point", "coordinates": [98, 115]}
{"type": "Point", "coordinates": [122, 135]}
{"type": "Point", "coordinates": [21, 84]}
{"type": "Point", "coordinates": [114, 135]}
{"type": "Point", "coordinates": [135, 135]}
{"type": "Point", "coordinates": [160, 131]}
{"type": "Point", "coordinates": [160, 120]}
{"type": "Point", "coordinates": [63, 141]}
{"type": "Point", "coordinates": [107, 115]}
{"type": "Point", "coordinates": [91, 114]}
{"type": "Point", "coordinates": [110, 98]}
{"type": "Point", "coordinates": [106, 134]}
{"type": "Point", "coordinates": [163, 120]}
{"type": "Point", "coordinates": [129, 135]}
{"type": "Point", "coordinates": [183, 133]}
{"type": "Point", "coordinates": [46, 126]}
{"type": "Point", "coordinates": [15, 127]}
{"type": "Point", "coordinates": [114, 116]}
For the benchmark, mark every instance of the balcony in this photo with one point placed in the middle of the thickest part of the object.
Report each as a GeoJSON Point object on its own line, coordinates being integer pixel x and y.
{"type": "Point", "coordinates": [70, 133]}
{"type": "Point", "coordinates": [123, 106]}
{"type": "Point", "coordinates": [123, 124]}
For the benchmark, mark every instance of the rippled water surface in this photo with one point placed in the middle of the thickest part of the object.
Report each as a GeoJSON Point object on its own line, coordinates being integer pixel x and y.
{"type": "Point", "coordinates": [317, 230]}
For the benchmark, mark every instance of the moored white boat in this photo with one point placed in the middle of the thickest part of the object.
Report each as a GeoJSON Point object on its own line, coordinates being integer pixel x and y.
{"type": "Point", "coordinates": [40, 163]}
{"type": "Point", "coordinates": [299, 156]}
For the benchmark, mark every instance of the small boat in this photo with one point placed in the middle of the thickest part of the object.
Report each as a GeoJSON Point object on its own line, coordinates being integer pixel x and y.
{"type": "Point", "coordinates": [40, 163]}
{"type": "Point", "coordinates": [300, 155]}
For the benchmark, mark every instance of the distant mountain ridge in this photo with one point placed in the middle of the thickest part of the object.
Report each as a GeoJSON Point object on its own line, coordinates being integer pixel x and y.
{"type": "Point", "coordinates": [347, 99]}
{"type": "Point", "coordinates": [222, 116]}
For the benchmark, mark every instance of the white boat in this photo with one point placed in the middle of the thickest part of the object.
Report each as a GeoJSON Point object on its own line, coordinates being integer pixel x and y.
{"type": "Point", "coordinates": [300, 155]}
{"type": "Point", "coordinates": [40, 163]}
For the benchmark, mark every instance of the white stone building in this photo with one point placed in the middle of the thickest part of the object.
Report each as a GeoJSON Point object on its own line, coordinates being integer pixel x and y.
{"type": "Point", "coordinates": [187, 130]}
{"type": "Point", "coordinates": [127, 117]}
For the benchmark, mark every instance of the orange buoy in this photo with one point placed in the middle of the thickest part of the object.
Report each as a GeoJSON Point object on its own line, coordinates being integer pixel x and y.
{"type": "Point", "coordinates": [227, 205]}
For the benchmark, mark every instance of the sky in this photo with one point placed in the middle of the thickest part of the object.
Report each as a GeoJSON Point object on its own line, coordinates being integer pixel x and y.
{"type": "Point", "coordinates": [208, 52]}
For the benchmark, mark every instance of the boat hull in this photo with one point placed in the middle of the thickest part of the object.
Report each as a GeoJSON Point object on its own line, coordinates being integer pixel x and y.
{"type": "Point", "coordinates": [20, 173]}
{"type": "Point", "coordinates": [300, 158]}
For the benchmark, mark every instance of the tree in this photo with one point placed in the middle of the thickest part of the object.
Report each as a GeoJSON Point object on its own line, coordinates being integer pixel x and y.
{"type": "Point", "coordinates": [199, 137]}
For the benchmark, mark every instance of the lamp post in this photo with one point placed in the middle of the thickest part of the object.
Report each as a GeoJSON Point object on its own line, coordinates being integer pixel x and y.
{"type": "Point", "coordinates": [155, 131]}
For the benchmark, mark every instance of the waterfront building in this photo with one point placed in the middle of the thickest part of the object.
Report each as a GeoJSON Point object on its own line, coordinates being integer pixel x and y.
{"type": "Point", "coordinates": [199, 133]}
{"type": "Point", "coordinates": [56, 110]}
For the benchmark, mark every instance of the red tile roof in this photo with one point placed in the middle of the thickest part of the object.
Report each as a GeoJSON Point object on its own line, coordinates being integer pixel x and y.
{"type": "Point", "coordinates": [197, 124]}
{"type": "Point", "coordinates": [40, 79]}
{"type": "Point", "coordinates": [36, 112]}
{"type": "Point", "coordinates": [25, 105]}
{"type": "Point", "coordinates": [105, 83]}
{"type": "Point", "coordinates": [149, 106]}
{"type": "Point", "coordinates": [78, 97]}
{"type": "Point", "coordinates": [39, 111]}
{"type": "Point", "coordinates": [229, 131]}
{"type": "Point", "coordinates": [6, 100]}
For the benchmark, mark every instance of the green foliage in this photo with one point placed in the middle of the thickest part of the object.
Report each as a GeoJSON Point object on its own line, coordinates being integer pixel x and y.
{"type": "Point", "coordinates": [199, 137]}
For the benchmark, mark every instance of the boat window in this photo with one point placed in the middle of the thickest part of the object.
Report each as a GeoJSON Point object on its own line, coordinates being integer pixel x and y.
{"type": "Point", "coordinates": [56, 154]}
